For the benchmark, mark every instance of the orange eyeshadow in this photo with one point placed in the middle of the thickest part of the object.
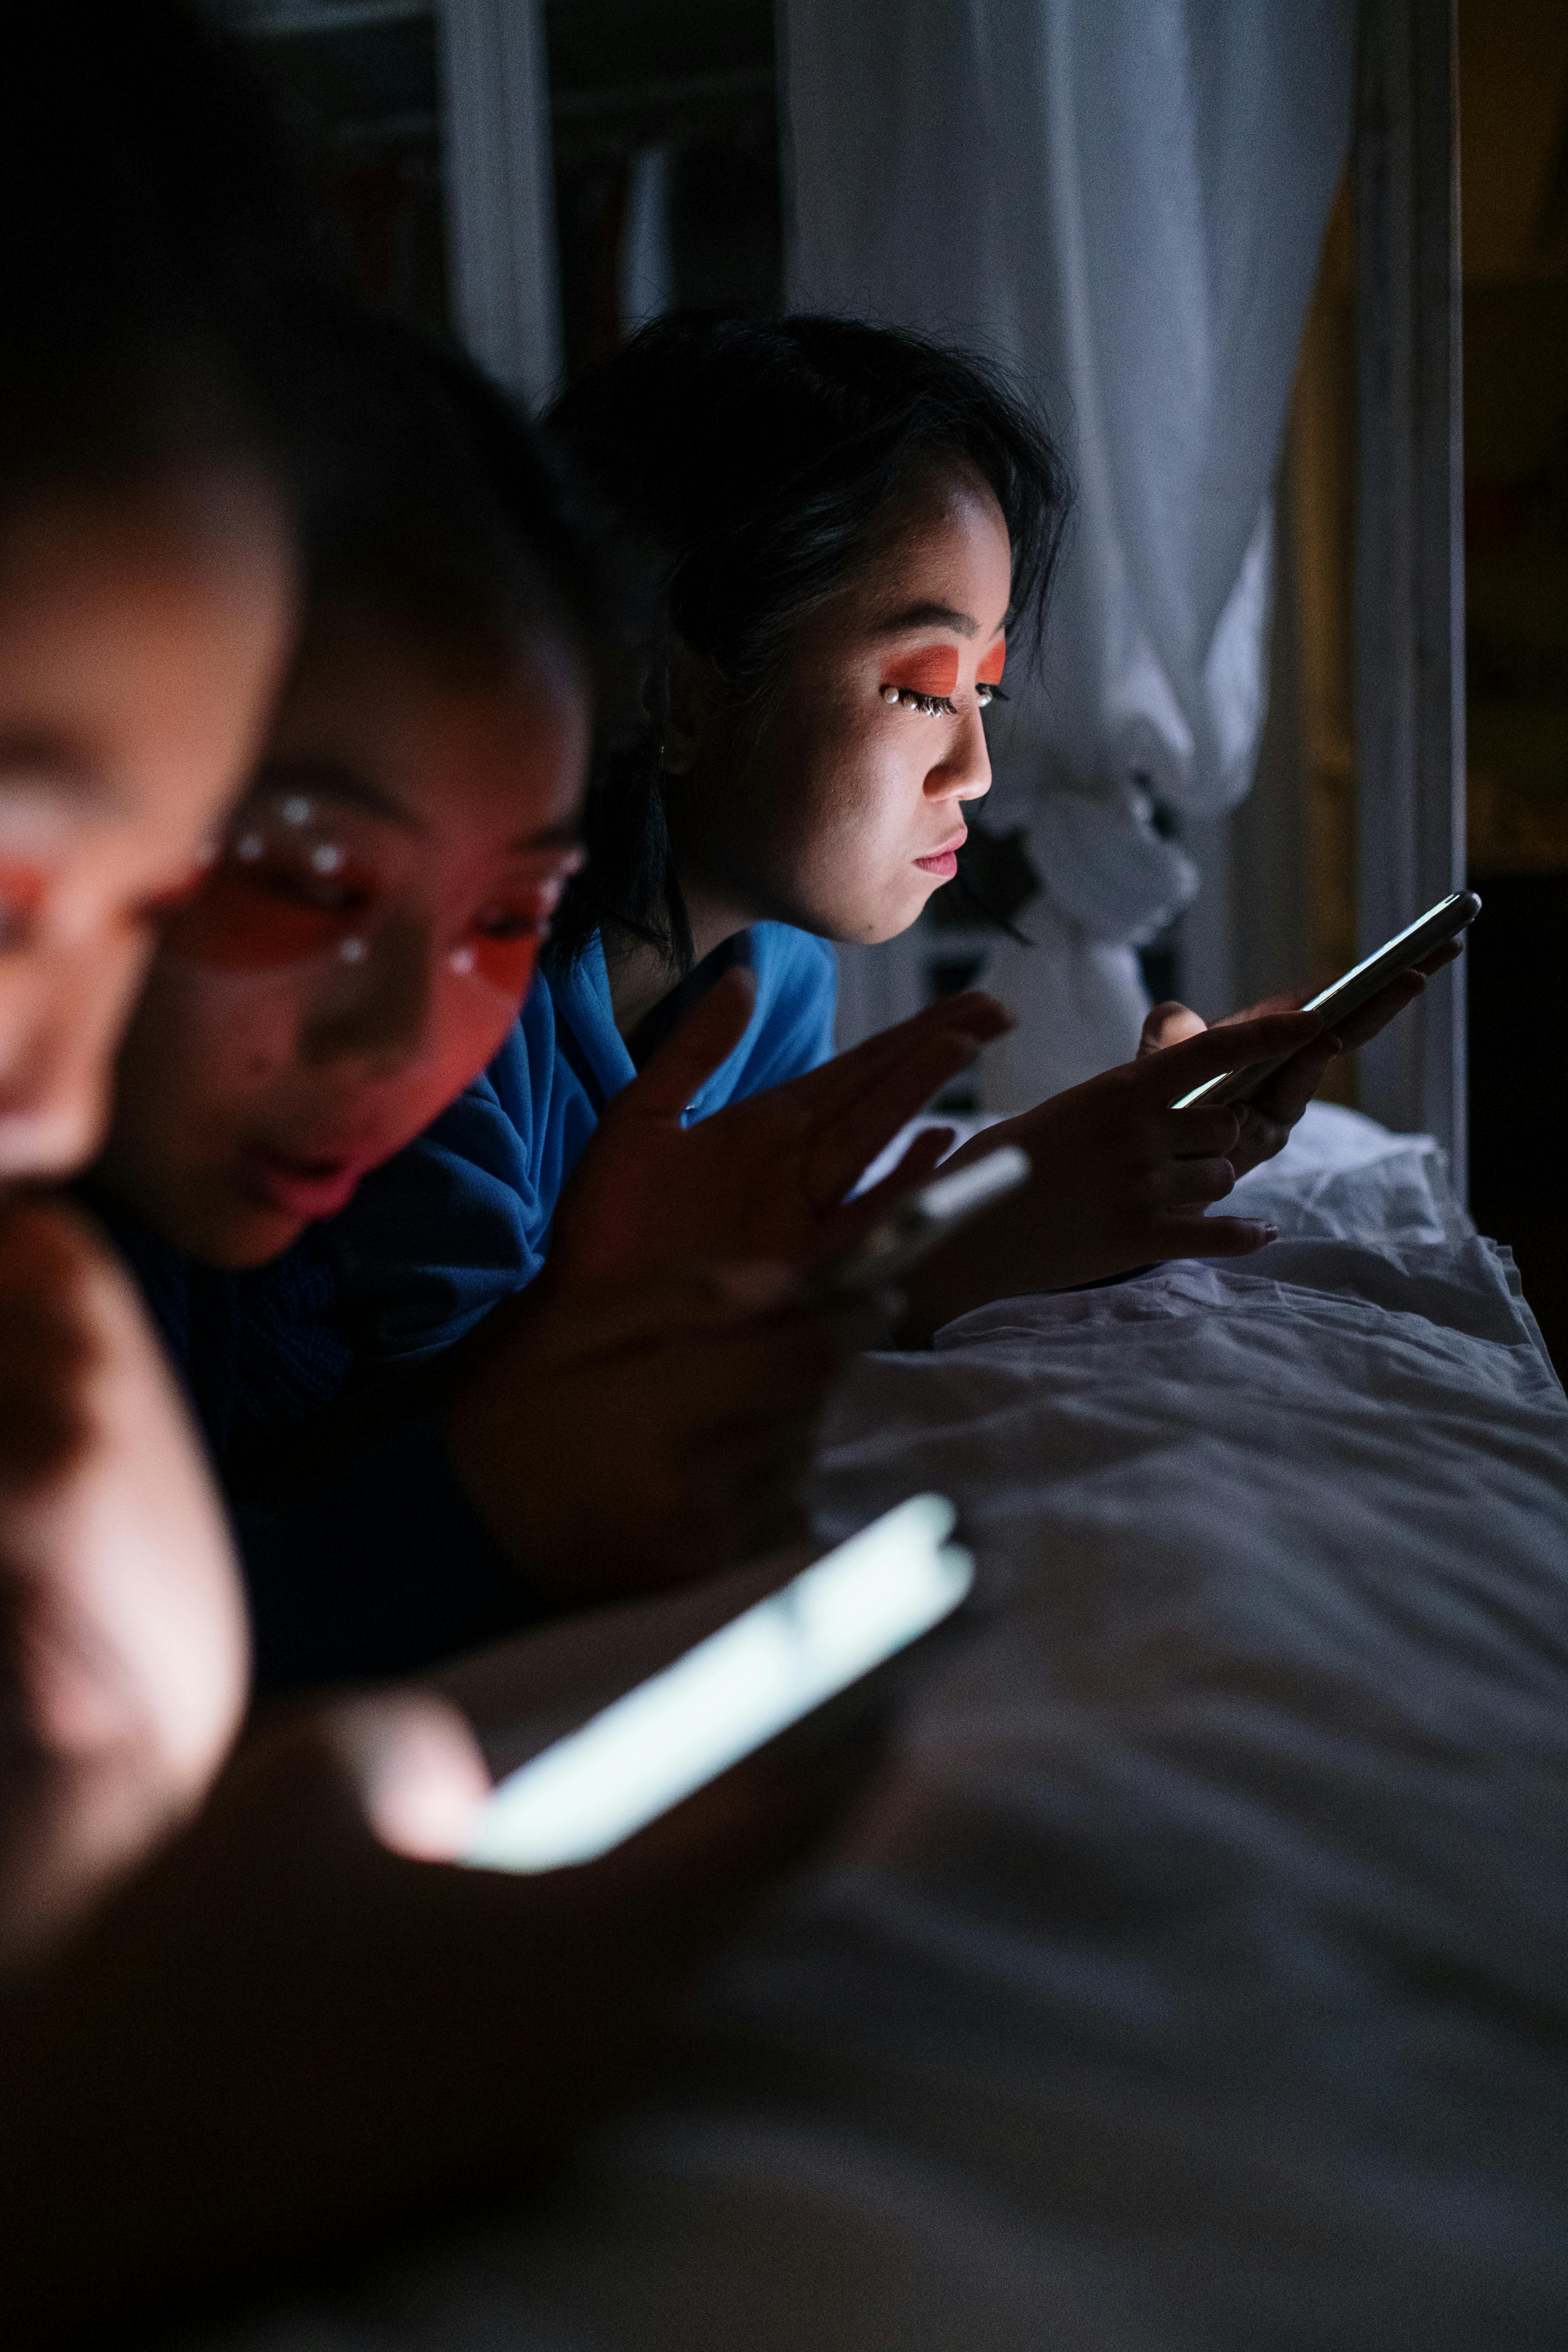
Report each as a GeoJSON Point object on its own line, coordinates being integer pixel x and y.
{"type": "Point", "coordinates": [932, 671]}
{"type": "Point", "coordinates": [21, 887]}
{"type": "Point", "coordinates": [991, 668]}
{"type": "Point", "coordinates": [257, 914]}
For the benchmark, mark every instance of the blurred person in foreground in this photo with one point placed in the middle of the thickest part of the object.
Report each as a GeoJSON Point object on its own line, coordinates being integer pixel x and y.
{"type": "Point", "coordinates": [241, 2002]}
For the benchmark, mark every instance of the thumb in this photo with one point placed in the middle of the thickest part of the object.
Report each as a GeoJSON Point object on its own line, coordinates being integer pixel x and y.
{"type": "Point", "coordinates": [414, 1767]}
{"type": "Point", "coordinates": [703, 1039]}
{"type": "Point", "coordinates": [1168, 1024]}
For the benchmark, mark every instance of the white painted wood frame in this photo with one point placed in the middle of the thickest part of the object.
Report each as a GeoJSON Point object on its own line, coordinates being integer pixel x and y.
{"type": "Point", "coordinates": [500, 200]}
{"type": "Point", "coordinates": [1410, 564]}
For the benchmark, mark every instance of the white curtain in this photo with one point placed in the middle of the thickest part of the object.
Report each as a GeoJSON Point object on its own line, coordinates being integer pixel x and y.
{"type": "Point", "coordinates": [500, 209]}
{"type": "Point", "coordinates": [646, 280]}
{"type": "Point", "coordinates": [1122, 201]}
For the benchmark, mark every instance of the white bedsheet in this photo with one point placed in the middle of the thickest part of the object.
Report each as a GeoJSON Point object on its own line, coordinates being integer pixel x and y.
{"type": "Point", "coordinates": [1200, 1976]}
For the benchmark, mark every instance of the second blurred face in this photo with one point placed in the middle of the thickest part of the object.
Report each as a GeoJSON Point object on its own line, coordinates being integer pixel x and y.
{"type": "Point", "coordinates": [362, 944]}
{"type": "Point", "coordinates": [142, 633]}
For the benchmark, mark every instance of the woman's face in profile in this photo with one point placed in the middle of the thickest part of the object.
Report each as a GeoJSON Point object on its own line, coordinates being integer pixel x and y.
{"type": "Point", "coordinates": [361, 947]}
{"type": "Point", "coordinates": [142, 633]}
{"type": "Point", "coordinates": [845, 811]}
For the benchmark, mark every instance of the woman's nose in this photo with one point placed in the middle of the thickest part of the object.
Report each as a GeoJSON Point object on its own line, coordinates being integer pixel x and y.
{"type": "Point", "coordinates": [57, 1037]}
{"type": "Point", "coordinates": [53, 1130]}
{"type": "Point", "coordinates": [964, 773]}
{"type": "Point", "coordinates": [375, 1006]}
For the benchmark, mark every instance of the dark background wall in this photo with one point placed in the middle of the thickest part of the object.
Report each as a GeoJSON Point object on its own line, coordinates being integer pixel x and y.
{"type": "Point", "coordinates": [1513, 91]}
{"type": "Point", "coordinates": [687, 84]}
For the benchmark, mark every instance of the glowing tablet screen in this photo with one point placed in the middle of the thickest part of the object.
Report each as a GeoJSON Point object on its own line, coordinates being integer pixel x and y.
{"type": "Point", "coordinates": [731, 1693]}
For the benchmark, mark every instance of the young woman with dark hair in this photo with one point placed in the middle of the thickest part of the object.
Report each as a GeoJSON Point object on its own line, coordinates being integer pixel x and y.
{"type": "Point", "coordinates": [849, 527]}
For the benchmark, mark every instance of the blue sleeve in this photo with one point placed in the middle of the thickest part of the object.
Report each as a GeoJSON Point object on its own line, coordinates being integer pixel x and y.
{"type": "Point", "coordinates": [461, 1218]}
{"type": "Point", "coordinates": [377, 1564]}
{"type": "Point", "coordinates": [797, 986]}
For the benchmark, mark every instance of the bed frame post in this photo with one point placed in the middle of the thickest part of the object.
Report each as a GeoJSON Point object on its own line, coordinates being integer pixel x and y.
{"type": "Point", "coordinates": [1410, 560]}
{"type": "Point", "coordinates": [500, 204]}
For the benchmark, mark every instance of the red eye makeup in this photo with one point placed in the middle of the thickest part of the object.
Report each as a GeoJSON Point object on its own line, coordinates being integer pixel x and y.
{"type": "Point", "coordinates": [501, 944]}
{"type": "Point", "coordinates": [21, 895]}
{"type": "Point", "coordinates": [933, 674]}
{"type": "Point", "coordinates": [285, 888]}
{"type": "Point", "coordinates": [926, 680]}
{"type": "Point", "coordinates": [264, 913]}
{"type": "Point", "coordinates": [300, 880]}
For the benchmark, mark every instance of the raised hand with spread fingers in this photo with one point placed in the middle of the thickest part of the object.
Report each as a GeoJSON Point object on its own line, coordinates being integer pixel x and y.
{"type": "Point", "coordinates": [767, 1178]}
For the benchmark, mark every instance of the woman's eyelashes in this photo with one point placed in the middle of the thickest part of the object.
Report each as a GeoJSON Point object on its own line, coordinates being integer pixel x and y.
{"type": "Point", "coordinates": [263, 906]}
{"type": "Point", "coordinates": [926, 681]}
{"type": "Point", "coordinates": [940, 704]}
{"type": "Point", "coordinates": [503, 942]}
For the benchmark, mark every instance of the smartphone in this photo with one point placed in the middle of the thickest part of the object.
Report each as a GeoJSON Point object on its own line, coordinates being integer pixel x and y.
{"type": "Point", "coordinates": [917, 1222]}
{"type": "Point", "coordinates": [1353, 989]}
{"type": "Point", "coordinates": [776, 1663]}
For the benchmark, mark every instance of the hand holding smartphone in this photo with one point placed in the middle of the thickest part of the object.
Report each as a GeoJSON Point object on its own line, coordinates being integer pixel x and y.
{"type": "Point", "coordinates": [916, 1224]}
{"type": "Point", "coordinates": [776, 1663]}
{"type": "Point", "coordinates": [1353, 989]}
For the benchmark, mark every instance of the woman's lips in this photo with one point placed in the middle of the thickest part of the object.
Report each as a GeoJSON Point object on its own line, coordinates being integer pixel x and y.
{"type": "Point", "coordinates": [297, 1187]}
{"type": "Point", "coordinates": [943, 862]}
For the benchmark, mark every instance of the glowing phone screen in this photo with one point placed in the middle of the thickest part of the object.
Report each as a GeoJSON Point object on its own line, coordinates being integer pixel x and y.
{"type": "Point", "coordinates": [731, 1693]}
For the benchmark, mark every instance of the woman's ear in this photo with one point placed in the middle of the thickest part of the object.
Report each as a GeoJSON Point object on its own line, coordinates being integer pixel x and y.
{"type": "Point", "coordinates": [694, 699]}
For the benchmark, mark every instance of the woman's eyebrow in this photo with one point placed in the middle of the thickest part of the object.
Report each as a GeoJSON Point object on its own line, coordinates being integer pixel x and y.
{"type": "Point", "coordinates": [567, 834]}
{"type": "Point", "coordinates": [52, 763]}
{"type": "Point", "coordinates": [326, 780]}
{"type": "Point", "coordinates": [929, 616]}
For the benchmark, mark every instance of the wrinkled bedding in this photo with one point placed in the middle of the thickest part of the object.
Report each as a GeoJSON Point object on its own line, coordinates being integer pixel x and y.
{"type": "Point", "coordinates": [1198, 1976]}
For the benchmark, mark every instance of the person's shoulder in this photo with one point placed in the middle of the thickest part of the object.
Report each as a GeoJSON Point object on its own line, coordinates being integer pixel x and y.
{"type": "Point", "coordinates": [784, 948]}
{"type": "Point", "coordinates": [792, 966]}
{"type": "Point", "coordinates": [525, 1059]}
{"type": "Point", "coordinates": [797, 984]}
{"type": "Point", "coordinates": [518, 1096]}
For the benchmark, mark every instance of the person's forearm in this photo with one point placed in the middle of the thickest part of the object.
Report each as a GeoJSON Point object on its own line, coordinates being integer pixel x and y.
{"type": "Point", "coordinates": [254, 2046]}
{"type": "Point", "coordinates": [283, 2029]}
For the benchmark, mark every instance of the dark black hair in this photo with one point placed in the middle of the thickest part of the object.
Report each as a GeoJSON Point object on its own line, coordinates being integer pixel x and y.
{"type": "Point", "coordinates": [146, 216]}
{"type": "Point", "coordinates": [753, 463]}
{"type": "Point", "coordinates": [433, 507]}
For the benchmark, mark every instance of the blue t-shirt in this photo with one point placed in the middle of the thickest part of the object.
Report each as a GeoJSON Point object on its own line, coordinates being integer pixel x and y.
{"type": "Point", "coordinates": [462, 1218]}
